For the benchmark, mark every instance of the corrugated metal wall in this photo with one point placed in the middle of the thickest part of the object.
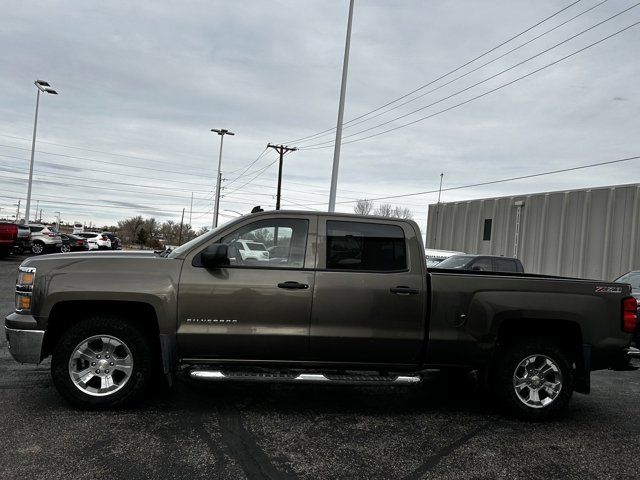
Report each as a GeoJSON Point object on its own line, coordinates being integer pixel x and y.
{"type": "Point", "coordinates": [591, 233]}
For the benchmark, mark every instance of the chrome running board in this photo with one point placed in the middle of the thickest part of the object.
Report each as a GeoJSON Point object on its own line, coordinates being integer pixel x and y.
{"type": "Point", "coordinates": [217, 375]}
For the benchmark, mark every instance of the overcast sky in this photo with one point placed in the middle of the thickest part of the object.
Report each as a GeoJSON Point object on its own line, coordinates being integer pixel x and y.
{"type": "Point", "coordinates": [142, 83]}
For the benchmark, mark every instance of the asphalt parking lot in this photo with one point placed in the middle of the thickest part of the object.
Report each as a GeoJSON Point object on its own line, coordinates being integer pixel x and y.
{"type": "Point", "coordinates": [446, 428]}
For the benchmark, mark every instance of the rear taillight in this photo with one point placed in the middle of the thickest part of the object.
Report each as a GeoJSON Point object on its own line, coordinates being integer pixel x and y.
{"type": "Point", "coordinates": [80, 242]}
{"type": "Point", "coordinates": [51, 234]}
{"type": "Point", "coordinates": [629, 314]}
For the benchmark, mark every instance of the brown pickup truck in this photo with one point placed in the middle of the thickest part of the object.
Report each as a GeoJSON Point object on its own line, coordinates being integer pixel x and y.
{"type": "Point", "coordinates": [336, 299]}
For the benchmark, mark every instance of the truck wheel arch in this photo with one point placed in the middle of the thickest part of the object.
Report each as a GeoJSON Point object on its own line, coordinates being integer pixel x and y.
{"type": "Point", "coordinates": [65, 314]}
{"type": "Point", "coordinates": [565, 333]}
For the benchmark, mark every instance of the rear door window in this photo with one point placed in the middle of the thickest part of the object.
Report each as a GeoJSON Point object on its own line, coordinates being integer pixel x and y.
{"type": "Point", "coordinates": [365, 246]}
{"type": "Point", "coordinates": [505, 265]}
{"type": "Point", "coordinates": [482, 264]}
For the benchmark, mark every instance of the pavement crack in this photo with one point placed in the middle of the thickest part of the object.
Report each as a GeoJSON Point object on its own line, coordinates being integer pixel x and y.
{"type": "Point", "coordinates": [444, 452]}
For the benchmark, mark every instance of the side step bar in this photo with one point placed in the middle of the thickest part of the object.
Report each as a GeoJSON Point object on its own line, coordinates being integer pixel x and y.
{"type": "Point", "coordinates": [216, 376]}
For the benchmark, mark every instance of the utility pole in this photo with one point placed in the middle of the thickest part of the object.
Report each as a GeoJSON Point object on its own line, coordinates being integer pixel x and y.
{"type": "Point", "coordinates": [281, 149]}
{"type": "Point", "coordinates": [18, 212]}
{"type": "Point", "coordinates": [191, 209]}
{"type": "Point", "coordinates": [222, 132]}
{"type": "Point", "coordinates": [343, 92]}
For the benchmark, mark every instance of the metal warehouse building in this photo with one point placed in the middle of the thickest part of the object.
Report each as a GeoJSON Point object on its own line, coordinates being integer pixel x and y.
{"type": "Point", "coordinates": [590, 233]}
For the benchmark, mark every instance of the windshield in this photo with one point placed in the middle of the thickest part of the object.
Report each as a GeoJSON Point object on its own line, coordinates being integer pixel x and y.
{"type": "Point", "coordinates": [457, 261]}
{"type": "Point", "coordinates": [632, 278]}
{"type": "Point", "coordinates": [189, 245]}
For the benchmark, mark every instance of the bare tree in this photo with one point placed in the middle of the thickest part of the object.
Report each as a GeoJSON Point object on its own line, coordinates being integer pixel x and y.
{"type": "Point", "coordinates": [384, 210]}
{"type": "Point", "coordinates": [363, 207]}
{"type": "Point", "coordinates": [388, 210]}
{"type": "Point", "coordinates": [403, 213]}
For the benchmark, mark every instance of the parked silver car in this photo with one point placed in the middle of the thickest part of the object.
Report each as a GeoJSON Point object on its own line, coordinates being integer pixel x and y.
{"type": "Point", "coordinates": [44, 239]}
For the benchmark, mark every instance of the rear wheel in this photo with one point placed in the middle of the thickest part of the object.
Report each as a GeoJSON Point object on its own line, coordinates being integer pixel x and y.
{"type": "Point", "coordinates": [102, 362]}
{"type": "Point", "coordinates": [37, 248]}
{"type": "Point", "coordinates": [65, 248]}
{"type": "Point", "coordinates": [534, 379]}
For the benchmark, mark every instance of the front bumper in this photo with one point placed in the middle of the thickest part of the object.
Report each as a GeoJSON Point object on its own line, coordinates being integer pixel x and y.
{"type": "Point", "coordinates": [25, 345]}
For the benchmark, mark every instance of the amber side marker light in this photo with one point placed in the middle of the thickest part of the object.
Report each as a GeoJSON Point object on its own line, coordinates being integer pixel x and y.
{"type": "Point", "coordinates": [23, 302]}
{"type": "Point", "coordinates": [629, 315]}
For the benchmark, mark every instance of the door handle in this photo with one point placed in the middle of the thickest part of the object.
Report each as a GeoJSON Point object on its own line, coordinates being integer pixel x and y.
{"type": "Point", "coordinates": [293, 286]}
{"type": "Point", "coordinates": [404, 291]}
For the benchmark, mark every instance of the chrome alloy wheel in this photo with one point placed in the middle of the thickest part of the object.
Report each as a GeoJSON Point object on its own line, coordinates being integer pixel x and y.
{"type": "Point", "coordinates": [100, 365]}
{"type": "Point", "coordinates": [537, 381]}
{"type": "Point", "coordinates": [65, 248]}
{"type": "Point", "coordinates": [37, 248]}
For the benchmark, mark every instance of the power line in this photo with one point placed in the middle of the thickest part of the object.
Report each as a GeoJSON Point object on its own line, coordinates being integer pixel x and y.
{"type": "Point", "coordinates": [442, 76]}
{"type": "Point", "coordinates": [321, 145]}
{"type": "Point", "coordinates": [411, 100]}
{"type": "Point", "coordinates": [503, 180]}
{"type": "Point", "coordinates": [76, 177]}
{"type": "Point", "coordinates": [145, 167]}
{"type": "Point", "coordinates": [101, 151]}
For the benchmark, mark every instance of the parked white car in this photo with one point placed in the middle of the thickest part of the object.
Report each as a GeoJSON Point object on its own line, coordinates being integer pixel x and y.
{"type": "Point", "coordinates": [252, 250]}
{"type": "Point", "coordinates": [97, 241]}
{"type": "Point", "coordinates": [434, 257]}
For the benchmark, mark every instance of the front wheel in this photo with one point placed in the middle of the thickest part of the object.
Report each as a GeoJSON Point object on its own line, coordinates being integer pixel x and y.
{"type": "Point", "coordinates": [102, 362]}
{"type": "Point", "coordinates": [534, 379]}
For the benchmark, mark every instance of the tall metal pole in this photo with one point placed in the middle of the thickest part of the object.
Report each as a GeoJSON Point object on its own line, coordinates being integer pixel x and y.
{"type": "Point", "coordinates": [18, 212]}
{"type": "Point", "coordinates": [343, 91]}
{"type": "Point", "coordinates": [33, 150]}
{"type": "Point", "coordinates": [181, 224]}
{"type": "Point", "coordinates": [42, 87]}
{"type": "Point", "coordinates": [191, 209]}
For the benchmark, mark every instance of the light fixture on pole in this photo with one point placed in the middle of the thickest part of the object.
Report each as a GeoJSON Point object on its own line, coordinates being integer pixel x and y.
{"type": "Point", "coordinates": [43, 87]}
{"type": "Point", "coordinates": [58, 222]}
{"type": "Point", "coordinates": [222, 132]}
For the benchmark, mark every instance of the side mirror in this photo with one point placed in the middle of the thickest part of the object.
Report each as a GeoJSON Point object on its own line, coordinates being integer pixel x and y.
{"type": "Point", "coordinates": [215, 256]}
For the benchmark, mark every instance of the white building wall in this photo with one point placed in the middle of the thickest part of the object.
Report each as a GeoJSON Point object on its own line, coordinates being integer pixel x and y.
{"type": "Point", "coordinates": [590, 233]}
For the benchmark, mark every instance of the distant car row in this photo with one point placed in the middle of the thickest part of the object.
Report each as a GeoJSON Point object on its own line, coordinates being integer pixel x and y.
{"type": "Point", "coordinates": [41, 239]}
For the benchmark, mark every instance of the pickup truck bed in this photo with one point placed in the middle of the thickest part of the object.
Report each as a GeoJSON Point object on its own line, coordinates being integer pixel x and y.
{"type": "Point", "coordinates": [342, 298]}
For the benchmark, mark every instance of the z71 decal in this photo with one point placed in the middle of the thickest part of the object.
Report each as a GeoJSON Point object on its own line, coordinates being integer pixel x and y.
{"type": "Point", "coordinates": [608, 289]}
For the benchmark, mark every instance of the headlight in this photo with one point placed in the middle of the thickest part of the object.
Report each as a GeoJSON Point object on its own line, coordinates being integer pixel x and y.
{"type": "Point", "coordinates": [24, 288]}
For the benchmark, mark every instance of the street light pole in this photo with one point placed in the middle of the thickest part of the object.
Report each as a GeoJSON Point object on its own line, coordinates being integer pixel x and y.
{"type": "Point", "coordinates": [222, 132]}
{"type": "Point", "coordinates": [343, 91]}
{"type": "Point", "coordinates": [42, 87]}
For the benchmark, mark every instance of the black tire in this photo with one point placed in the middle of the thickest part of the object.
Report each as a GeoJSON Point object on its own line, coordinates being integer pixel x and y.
{"type": "Point", "coordinates": [37, 248]}
{"type": "Point", "coordinates": [504, 375]}
{"type": "Point", "coordinates": [134, 340]}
